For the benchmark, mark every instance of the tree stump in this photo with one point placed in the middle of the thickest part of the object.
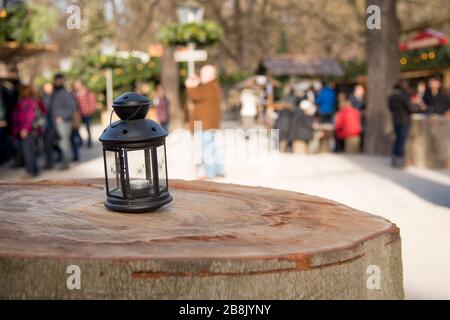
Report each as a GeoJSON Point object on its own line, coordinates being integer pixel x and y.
{"type": "Point", "coordinates": [214, 241]}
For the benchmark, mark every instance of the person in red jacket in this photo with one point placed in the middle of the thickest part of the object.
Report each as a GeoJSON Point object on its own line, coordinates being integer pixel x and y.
{"type": "Point", "coordinates": [347, 123]}
{"type": "Point", "coordinates": [87, 105]}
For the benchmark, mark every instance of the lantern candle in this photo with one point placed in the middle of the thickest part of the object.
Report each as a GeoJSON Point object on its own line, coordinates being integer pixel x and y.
{"type": "Point", "coordinates": [139, 184]}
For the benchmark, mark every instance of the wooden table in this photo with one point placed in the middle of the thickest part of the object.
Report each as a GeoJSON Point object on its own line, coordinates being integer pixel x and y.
{"type": "Point", "coordinates": [214, 241]}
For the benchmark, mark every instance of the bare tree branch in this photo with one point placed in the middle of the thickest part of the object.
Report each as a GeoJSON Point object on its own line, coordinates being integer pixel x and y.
{"type": "Point", "coordinates": [432, 23]}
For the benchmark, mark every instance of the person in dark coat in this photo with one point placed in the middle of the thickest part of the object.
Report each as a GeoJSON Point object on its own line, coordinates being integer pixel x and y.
{"type": "Point", "coordinates": [357, 99]}
{"type": "Point", "coordinates": [9, 88]}
{"type": "Point", "coordinates": [435, 98]}
{"type": "Point", "coordinates": [61, 109]}
{"type": "Point", "coordinates": [283, 124]}
{"type": "Point", "coordinates": [401, 109]}
{"type": "Point", "coordinates": [3, 125]}
{"type": "Point", "coordinates": [301, 127]}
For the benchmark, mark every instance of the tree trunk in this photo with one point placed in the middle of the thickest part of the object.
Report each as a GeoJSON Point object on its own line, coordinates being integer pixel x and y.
{"type": "Point", "coordinates": [382, 71]}
{"type": "Point", "coordinates": [169, 71]}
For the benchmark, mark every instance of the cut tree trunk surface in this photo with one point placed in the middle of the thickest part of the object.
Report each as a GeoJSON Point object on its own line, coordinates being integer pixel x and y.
{"type": "Point", "coordinates": [214, 240]}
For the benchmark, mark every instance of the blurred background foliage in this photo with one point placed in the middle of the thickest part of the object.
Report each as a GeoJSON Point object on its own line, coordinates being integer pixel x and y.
{"type": "Point", "coordinates": [127, 72]}
{"type": "Point", "coordinates": [26, 23]}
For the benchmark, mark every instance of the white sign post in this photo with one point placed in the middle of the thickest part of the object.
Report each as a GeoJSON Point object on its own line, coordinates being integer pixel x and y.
{"type": "Point", "coordinates": [190, 56]}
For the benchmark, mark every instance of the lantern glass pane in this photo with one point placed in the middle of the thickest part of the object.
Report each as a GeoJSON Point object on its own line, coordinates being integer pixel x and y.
{"type": "Point", "coordinates": [162, 173]}
{"type": "Point", "coordinates": [140, 173]}
{"type": "Point", "coordinates": [112, 160]}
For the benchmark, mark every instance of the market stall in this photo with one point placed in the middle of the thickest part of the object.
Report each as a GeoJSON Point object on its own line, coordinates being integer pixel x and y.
{"type": "Point", "coordinates": [429, 142]}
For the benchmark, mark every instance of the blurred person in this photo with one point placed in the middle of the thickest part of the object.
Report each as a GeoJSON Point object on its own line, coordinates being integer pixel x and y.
{"type": "Point", "coordinates": [40, 119]}
{"type": "Point", "coordinates": [347, 123]}
{"type": "Point", "coordinates": [24, 130]}
{"type": "Point", "coordinates": [283, 124]}
{"type": "Point", "coordinates": [310, 94]}
{"type": "Point", "coordinates": [339, 143]}
{"type": "Point", "coordinates": [234, 101]}
{"type": "Point", "coordinates": [75, 138]}
{"type": "Point", "coordinates": [292, 97]}
{"type": "Point", "coordinates": [205, 94]}
{"type": "Point", "coordinates": [421, 89]}
{"type": "Point", "coordinates": [50, 136]}
{"type": "Point", "coordinates": [86, 102]}
{"type": "Point", "coordinates": [62, 107]}
{"type": "Point", "coordinates": [10, 87]}
{"type": "Point", "coordinates": [357, 99]}
{"type": "Point", "coordinates": [401, 109]}
{"type": "Point", "coordinates": [47, 90]}
{"type": "Point", "coordinates": [301, 127]}
{"type": "Point", "coordinates": [437, 101]}
{"type": "Point", "coordinates": [3, 125]}
{"type": "Point", "coordinates": [161, 104]}
{"type": "Point", "coordinates": [326, 101]}
{"type": "Point", "coordinates": [417, 98]}
{"type": "Point", "coordinates": [268, 89]}
{"type": "Point", "coordinates": [146, 90]}
{"type": "Point", "coordinates": [268, 98]}
{"type": "Point", "coordinates": [13, 86]}
{"type": "Point", "coordinates": [249, 108]}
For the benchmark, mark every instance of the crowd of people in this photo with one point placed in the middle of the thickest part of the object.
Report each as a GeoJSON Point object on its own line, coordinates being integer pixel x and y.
{"type": "Point", "coordinates": [46, 121]}
{"type": "Point", "coordinates": [305, 117]}
{"type": "Point", "coordinates": [427, 97]}
{"type": "Point", "coordinates": [308, 116]}
{"type": "Point", "coordinates": [43, 121]}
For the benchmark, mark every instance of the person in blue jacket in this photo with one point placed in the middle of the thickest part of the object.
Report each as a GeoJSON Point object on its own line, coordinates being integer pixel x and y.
{"type": "Point", "coordinates": [326, 100]}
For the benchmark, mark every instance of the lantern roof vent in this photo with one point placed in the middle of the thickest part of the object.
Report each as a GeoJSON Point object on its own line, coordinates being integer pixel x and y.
{"type": "Point", "coordinates": [131, 106]}
{"type": "Point", "coordinates": [133, 129]}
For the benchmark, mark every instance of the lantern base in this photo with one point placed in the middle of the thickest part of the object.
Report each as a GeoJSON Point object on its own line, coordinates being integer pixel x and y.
{"type": "Point", "coordinates": [138, 205]}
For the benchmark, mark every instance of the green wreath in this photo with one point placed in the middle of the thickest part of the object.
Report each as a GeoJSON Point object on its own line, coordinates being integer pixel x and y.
{"type": "Point", "coordinates": [203, 34]}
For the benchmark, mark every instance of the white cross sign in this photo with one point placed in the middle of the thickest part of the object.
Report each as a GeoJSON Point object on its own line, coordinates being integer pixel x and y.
{"type": "Point", "coordinates": [190, 56]}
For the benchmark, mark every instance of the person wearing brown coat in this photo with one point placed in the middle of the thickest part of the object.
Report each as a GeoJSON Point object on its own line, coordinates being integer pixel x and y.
{"type": "Point", "coordinates": [204, 117]}
{"type": "Point", "coordinates": [206, 100]}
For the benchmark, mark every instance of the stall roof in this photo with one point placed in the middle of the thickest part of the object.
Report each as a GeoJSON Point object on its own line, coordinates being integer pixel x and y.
{"type": "Point", "coordinates": [428, 38]}
{"type": "Point", "coordinates": [14, 52]}
{"type": "Point", "coordinates": [252, 82]}
{"type": "Point", "coordinates": [301, 65]}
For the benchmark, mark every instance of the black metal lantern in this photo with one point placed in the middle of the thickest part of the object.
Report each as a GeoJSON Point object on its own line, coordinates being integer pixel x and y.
{"type": "Point", "coordinates": [134, 154]}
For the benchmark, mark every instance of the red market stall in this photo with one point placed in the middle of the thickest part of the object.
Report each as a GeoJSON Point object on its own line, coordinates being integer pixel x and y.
{"type": "Point", "coordinates": [428, 38]}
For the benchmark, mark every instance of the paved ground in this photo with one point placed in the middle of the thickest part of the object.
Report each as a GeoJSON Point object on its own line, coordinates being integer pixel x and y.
{"type": "Point", "coordinates": [417, 200]}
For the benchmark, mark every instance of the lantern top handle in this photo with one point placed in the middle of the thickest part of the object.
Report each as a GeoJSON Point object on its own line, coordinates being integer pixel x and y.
{"type": "Point", "coordinates": [131, 106]}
